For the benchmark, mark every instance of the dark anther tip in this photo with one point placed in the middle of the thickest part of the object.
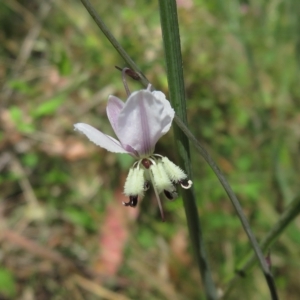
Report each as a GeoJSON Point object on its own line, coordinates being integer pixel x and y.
{"type": "Point", "coordinates": [171, 195]}
{"type": "Point", "coordinates": [133, 200]}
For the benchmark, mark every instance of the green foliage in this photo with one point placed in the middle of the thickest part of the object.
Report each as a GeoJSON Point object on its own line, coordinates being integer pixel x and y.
{"type": "Point", "coordinates": [7, 284]}
{"type": "Point", "coordinates": [62, 61]}
{"type": "Point", "coordinates": [49, 107]}
{"type": "Point", "coordinates": [18, 118]}
{"type": "Point", "coordinates": [241, 73]}
{"type": "Point", "coordinates": [21, 86]}
{"type": "Point", "coordinates": [146, 238]}
{"type": "Point", "coordinates": [56, 176]}
{"type": "Point", "coordinates": [80, 218]}
{"type": "Point", "coordinates": [30, 160]}
{"type": "Point", "coordinates": [125, 161]}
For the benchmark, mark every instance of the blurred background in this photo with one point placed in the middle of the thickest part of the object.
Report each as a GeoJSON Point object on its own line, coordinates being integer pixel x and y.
{"type": "Point", "coordinates": [64, 232]}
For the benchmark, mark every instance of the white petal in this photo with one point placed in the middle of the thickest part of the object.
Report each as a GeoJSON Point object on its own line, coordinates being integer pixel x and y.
{"type": "Point", "coordinates": [143, 120]}
{"type": "Point", "coordinates": [105, 141]}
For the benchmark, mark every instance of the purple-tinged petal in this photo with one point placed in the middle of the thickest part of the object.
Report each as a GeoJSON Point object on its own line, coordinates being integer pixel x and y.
{"type": "Point", "coordinates": [114, 106]}
{"type": "Point", "coordinates": [168, 108]}
{"type": "Point", "coordinates": [143, 120]}
{"type": "Point", "coordinates": [105, 141]}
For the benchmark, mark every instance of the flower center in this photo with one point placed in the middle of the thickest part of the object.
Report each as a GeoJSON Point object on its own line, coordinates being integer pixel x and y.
{"type": "Point", "coordinates": [146, 163]}
{"type": "Point", "coordinates": [161, 172]}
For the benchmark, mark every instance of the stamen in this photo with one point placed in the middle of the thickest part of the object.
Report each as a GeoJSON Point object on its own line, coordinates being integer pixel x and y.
{"type": "Point", "coordinates": [186, 183]}
{"type": "Point", "coordinates": [133, 200]}
{"type": "Point", "coordinates": [134, 184]}
{"type": "Point", "coordinates": [174, 172]}
{"type": "Point", "coordinates": [171, 195]}
{"type": "Point", "coordinates": [157, 196]}
{"type": "Point", "coordinates": [153, 160]}
{"type": "Point", "coordinates": [124, 71]}
{"type": "Point", "coordinates": [161, 179]}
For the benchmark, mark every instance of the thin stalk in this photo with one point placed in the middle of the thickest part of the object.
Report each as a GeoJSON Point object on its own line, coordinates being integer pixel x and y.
{"type": "Point", "coordinates": [290, 213]}
{"type": "Point", "coordinates": [171, 39]}
{"type": "Point", "coordinates": [259, 254]}
{"type": "Point", "coordinates": [87, 4]}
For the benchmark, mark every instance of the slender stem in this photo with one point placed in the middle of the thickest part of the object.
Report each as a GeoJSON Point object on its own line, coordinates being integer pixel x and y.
{"type": "Point", "coordinates": [157, 196]}
{"type": "Point", "coordinates": [171, 38]}
{"type": "Point", "coordinates": [113, 41]}
{"type": "Point", "coordinates": [125, 81]}
{"type": "Point", "coordinates": [291, 212]}
{"type": "Point", "coordinates": [264, 266]}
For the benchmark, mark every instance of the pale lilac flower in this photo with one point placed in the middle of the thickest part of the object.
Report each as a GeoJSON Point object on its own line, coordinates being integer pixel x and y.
{"type": "Point", "coordinates": [138, 124]}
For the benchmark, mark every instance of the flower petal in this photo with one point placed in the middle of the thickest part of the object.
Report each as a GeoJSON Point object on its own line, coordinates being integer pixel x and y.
{"type": "Point", "coordinates": [114, 106]}
{"type": "Point", "coordinates": [162, 97]}
{"type": "Point", "coordinates": [105, 141]}
{"type": "Point", "coordinates": [144, 118]}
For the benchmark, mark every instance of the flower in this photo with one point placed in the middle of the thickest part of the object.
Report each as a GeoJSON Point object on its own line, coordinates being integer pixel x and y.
{"type": "Point", "coordinates": [139, 123]}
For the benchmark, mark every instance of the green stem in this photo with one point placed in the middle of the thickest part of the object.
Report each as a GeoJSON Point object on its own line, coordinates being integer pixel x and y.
{"type": "Point", "coordinates": [248, 263]}
{"type": "Point", "coordinates": [237, 206]}
{"type": "Point", "coordinates": [171, 38]}
{"type": "Point", "coordinates": [87, 4]}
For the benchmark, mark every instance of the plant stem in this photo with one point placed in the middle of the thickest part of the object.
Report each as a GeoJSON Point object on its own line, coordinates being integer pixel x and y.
{"type": "Point", "coordinates": [87, 4]}
{"type": "Point", "coordinates": [291, 212]}
{"type": "Point", "coordinates": [265, 268]}
{"type": "Point", "coordinates": [171, 38]}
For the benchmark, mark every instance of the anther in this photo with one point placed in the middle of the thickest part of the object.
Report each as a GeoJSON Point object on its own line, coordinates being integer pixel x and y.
{"type": "Point", "coordinates": [133, 200]}
{"type": "Point", "coordinates": [171, 195]}
{"type": "Point", "coordinates": [186, 183]}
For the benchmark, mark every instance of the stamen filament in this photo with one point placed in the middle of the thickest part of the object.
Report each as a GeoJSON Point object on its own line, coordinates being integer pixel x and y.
{"type": "Point", "coordinates": [125, 82]}
{"type": "Point", "coordinates": [157, 197]}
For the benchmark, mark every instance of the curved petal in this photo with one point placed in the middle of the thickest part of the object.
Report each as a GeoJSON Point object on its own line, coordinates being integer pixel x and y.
{"type": "Point", "coordinates": [114, 106]}
{"type": "Point", "coordinates": [168, 108]}
{"type": "Point", "coordinates": [143, 120]}
{"type": "Point", "coordinates": [105, 141]}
